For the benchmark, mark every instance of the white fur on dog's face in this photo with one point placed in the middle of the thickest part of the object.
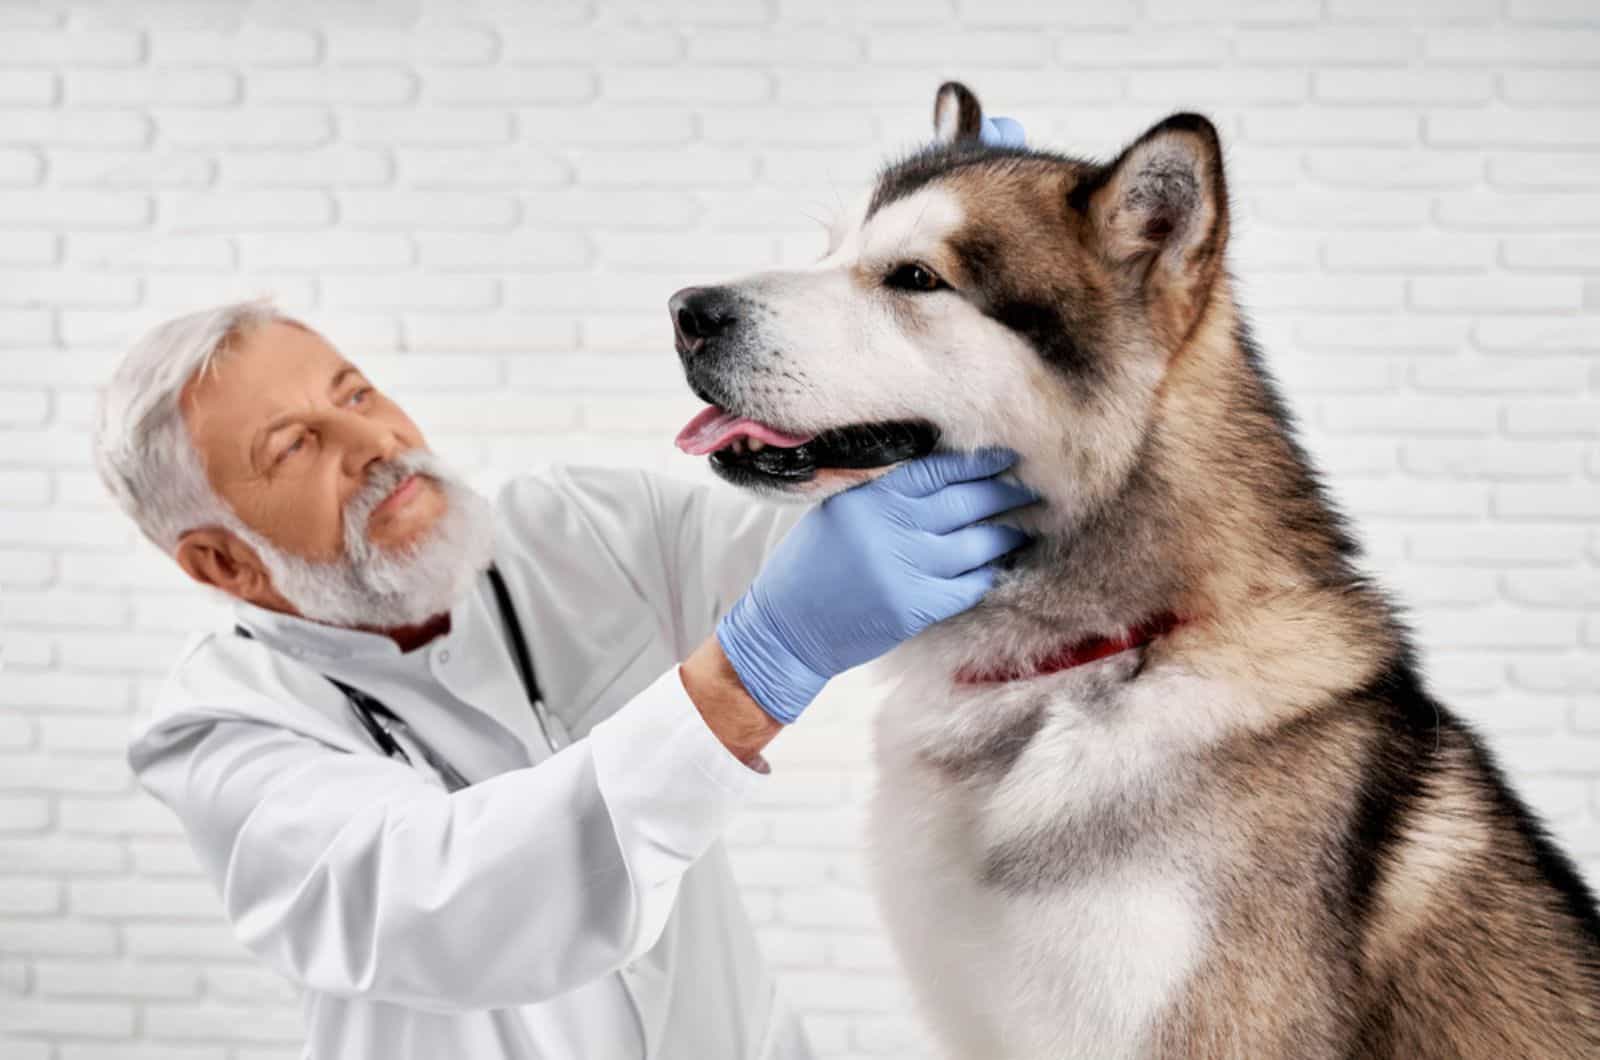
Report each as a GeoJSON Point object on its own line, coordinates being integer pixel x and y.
{"type": "Point", "coordinates": [830, 345]}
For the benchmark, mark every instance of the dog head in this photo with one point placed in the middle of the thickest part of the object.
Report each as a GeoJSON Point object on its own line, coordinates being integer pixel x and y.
{"type": "Point", "coordinates": [979, 296]}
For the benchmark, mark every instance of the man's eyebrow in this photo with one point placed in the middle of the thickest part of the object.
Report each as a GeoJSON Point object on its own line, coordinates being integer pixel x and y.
{"type": "Point", "coordinates": [278, 421]}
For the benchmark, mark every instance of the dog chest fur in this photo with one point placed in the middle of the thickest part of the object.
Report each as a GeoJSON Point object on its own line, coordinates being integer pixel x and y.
{"type": "Point", "coordinates": [1013, 844]}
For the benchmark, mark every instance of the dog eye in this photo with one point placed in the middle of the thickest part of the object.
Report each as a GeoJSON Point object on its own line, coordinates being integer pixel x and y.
{"type": "Point", "coordinates": [913, 277]}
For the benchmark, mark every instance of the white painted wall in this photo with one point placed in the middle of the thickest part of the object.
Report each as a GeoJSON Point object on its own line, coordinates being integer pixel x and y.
{"type": "Point", "coordinates": [488, 208]}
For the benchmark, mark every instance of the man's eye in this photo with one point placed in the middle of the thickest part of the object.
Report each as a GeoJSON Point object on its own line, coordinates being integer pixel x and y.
{"type": "Point", "coordinates": [292, 448]}
{"type": "Point", "coordinates": [359, 396]}
{"type": "Point", "coordinates": [913, 277]}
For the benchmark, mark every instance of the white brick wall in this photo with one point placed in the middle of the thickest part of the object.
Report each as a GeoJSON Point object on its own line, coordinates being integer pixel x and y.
{"type": "Point", "coordinates": [490, 206]}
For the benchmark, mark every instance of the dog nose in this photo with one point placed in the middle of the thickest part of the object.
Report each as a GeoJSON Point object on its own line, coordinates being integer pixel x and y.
{"type": "Point", "coordinates": [698, 314]}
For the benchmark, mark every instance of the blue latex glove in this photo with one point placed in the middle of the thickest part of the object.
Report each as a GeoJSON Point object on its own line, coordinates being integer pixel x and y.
{"type": "Point", "coordinates": [867, 569]}
{"type": "Point", "coordinates": [1002, 132]}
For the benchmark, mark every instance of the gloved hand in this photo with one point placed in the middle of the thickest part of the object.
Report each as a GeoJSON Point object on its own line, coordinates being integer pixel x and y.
{"type": "Point", "coordinates": [1002, 132]}
{"type": "Point", "coordinates": [867, 569]}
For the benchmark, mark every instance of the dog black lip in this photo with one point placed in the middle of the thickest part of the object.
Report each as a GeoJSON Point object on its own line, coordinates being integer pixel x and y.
{"type": "Point", "coordinates": [865, 445]}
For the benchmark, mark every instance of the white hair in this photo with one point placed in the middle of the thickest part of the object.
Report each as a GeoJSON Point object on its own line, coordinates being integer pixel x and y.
{"type": "Point", "coordinates": [143, 451]}
{"type": "Point", "coordinates": [147, 458]}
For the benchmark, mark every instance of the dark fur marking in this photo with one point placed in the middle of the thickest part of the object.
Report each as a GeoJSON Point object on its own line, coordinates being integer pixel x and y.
{"type": "Point", "coordinates": [1036, 317]}
{"type": "Point", "coordinates": [995, 754]}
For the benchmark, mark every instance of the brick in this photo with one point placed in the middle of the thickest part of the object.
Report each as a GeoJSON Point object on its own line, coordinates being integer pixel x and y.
{"type": "Point", "coordinates": [334, 165]}
{"type": "Point", "coordinates": [156, 940]}
{"type": "Point", "coordinates": [583, 45]}
{"type": "Point", "coordinates": [1004, 12]}
{"type": "Point", "coordinates": [608, 124]}
{"type": "Point", "coordinates": [137, 88]}
{"type": "Point", "coordinates": [161, 857]}
{"type": "Point", "coordinates": [79, 46]}
{"type": "Point", "coordinates": [1546, 501]}
{"type": "Point", "coordinates": [92, 128]}
{"type": "Point", "coordinates": [1501, 376]}
{"type": "Point", "coordinates": [144, 1051]}
{"type": "Point", "coordinates": [1542, 334]}
{"type": "Point", "coordinates": [411, 291]}
{"type": "Point", "coordinates": [671, 250]}
{"type": "Point", "coordinates": [27, 407]}
{"type": "Point", "coordinates": [1218, 88]}
{"type": "Point", "coordinates": [1144, 48]}
{"type": "Point", "coordinates": [255, 127]}
{"type": "Point", "coordinates": [428, 209]}
{"type": "Point", "coordinates": [79, 734]}
{"type": "Point", "coordinates": [1396, 498]}
{"type": "Point", "coordinates": [361, 86]}
{"type": "Point", "coordinates": [250, 46]}
{"type": "Point", "coordinates": [518, 167]}
{"type": "Point", "coordinates": [1494, 547]}
{"type": "Point", "coordinates": [1551, 11]}
{"type": "Point", "coordinates": [314, 252]}
{"type": "Point", "coordinates": [247, 984]}
{"type": "Point", "coordinates": [1551, 253]}
{"type": "Point", "coordinates": [1552, 675]}
{"type": "Point", "coordinates": [1409, 252]}
{"type": "Point", "coordinates": [588, 209]}
{"type": "Point", "coordinates": [1548, 86]}
{"type": "Point", "coordinates": [85, 1019]}
{"type": "Point", "coordinates": [498, 412]}
{"type": "Point", "coordinates": [1554, 418]}
{"type": "Point", "coordinates": [1545, 170]}
{"type": "Point", "coordinates": [234, 210]}
{"type": "Point", "coordinates": [795, 46]}
{"type": "Point", "coordinates": [1545, 47]}
{"type": "Point", "coordinates": [141, 170]}
{"type": "Point", "coordinates": [1413, 415]}
{"type": "Point", "coordinates": [57, 854]}
{"type": "Point", "coordinates": [1305, 292]}
{"type": "Point", "coordinates": [1497, 459]}
{"type": "Point", "coordinates": [29, 248]}
{"type": "Point", "coordinates": [425, 42]}
{"type": "Point", "coordinates": [778, 125]}
{"type": "Point", "coordinates": [164, 1020]}
{"type": "Point", "coordinates": [1491, 293]}
{"type": "Point", "coordinates": [497, 331]}
{"type": "Point", "coordinates": [510, 85]}
{"type": "Point", "coordinates": [1323, 45]}
{"type": "Point", "coordinates": [1413, 10]}
{"type": "Point", "coordinates": [696, 166]}
{"type": "Point", "coordinates": [165, 899]}
{"type": "Point", "coordinates": [21, 896]}
{"type": "Point", "coordinates": [1010, 48]}
{"type": "Point", "coordinates": [24, 327]}
{"type": "Point", "coordinates": [27, 87]}
{"type": "Point", "coordinates": [426, 126]}
{"type": "Point", "coordinates": [1484, 211]}
{"type": "Point", "coordinates": [54, 938]}
{"type": "Point", "coordinates": [590, 371]}
{"type": "Point", "coordinates": [157, 251]}
{"type": "Point", "coordinates": [1438, 87]}
{"type": "Point", "coordinates": [66, 289]}
{"type": "Point", "coordinates": [1323, 125]}
{"type": "Point", "coordinates": [123, 980]}
{"type": "Point", "coordinates": [1394, 168]}
{"type": "Point", "coordinates": [1564, 589]}
{"type": "Point", "coordinates": [686, 84]}
{"type": "Point", "coordinates": [23, 813]}
{"type": "Point", "coordinates": [522, 249]}
{"type": "Point", "coordinates": [1540, 128]}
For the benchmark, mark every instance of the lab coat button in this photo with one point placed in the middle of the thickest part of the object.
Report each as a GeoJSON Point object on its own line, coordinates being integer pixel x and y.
{"type": "Point", "coordinates": [444, 656]}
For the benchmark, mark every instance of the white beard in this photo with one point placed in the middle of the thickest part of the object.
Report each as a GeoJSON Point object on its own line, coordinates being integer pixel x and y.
{"type": "Point", "coordinates": [376, 587]}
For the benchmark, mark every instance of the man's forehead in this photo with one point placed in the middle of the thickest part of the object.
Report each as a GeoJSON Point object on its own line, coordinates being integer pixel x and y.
{"type": "Point", "coordinates": [266, 371]}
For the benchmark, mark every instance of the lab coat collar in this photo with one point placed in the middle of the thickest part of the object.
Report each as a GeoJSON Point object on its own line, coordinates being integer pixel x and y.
{"type": "Point", "coordinates": [316, 642]}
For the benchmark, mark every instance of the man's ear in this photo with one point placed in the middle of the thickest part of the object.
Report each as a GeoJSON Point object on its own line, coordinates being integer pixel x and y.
{"type": "Point", "coordinates": [1159, 216]}
{"type": "Point", "coordinates": [957, 115]}
{"type": "Point", "coordinates": [216, 557]}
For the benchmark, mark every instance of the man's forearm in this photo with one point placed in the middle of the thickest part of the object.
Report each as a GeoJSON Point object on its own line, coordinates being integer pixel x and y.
{"type": "Point", "coordinates": [736, 719]}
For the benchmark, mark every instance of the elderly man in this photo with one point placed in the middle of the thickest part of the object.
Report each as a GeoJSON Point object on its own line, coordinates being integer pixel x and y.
{"type": "Point", "coordinates": [447, 771]}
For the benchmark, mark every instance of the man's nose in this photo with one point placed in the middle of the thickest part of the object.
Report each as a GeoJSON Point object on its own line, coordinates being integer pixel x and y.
{"type": "Point", "coordinates": [698, 314]}
{"type": "Point", "coordinates": [369, 442]}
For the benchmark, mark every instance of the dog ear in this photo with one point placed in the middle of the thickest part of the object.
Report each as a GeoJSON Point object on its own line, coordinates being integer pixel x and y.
{"type": "Point", "coordinates": [1159, 216]}
{"type": "Point", "coordinates": [957, 114]}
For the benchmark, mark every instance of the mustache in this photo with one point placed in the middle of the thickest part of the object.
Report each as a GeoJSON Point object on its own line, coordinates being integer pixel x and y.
{"type": "Point", "coordinates": [383, 479]}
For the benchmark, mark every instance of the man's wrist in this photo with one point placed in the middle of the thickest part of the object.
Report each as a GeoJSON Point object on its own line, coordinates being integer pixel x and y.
{"type": "Point", "coordinates": [735, 718]}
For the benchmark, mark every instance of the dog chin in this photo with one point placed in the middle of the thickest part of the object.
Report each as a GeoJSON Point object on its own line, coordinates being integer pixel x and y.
{"type": "Point", "coordinates": [824, 483]}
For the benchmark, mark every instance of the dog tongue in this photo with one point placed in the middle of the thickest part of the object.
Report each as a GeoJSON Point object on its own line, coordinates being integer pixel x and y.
{"type": "Point", "coordinates": [714, 428]}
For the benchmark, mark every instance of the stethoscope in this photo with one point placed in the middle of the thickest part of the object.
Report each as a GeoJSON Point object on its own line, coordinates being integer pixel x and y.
{"type": "Point", "coordinates": [369, 709]}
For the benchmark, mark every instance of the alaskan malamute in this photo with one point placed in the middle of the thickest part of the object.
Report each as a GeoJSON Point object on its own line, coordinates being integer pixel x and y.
{"type": "Point", "coordinates": [1176, 788]}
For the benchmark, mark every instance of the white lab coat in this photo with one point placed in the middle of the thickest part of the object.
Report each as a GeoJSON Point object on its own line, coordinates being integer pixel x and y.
{"type": "Point", "coordinates": [576, 906]}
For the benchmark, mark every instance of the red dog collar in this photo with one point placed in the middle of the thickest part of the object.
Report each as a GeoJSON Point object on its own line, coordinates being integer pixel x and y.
{"type": "Point", "coordinates": [1077, 653]}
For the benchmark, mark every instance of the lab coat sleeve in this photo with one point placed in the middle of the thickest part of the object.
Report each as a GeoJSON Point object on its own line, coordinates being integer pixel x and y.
{"type": "Point", "coordinates": [715, 539]}
{"type": "Point", "coordinates": [353, 875]}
